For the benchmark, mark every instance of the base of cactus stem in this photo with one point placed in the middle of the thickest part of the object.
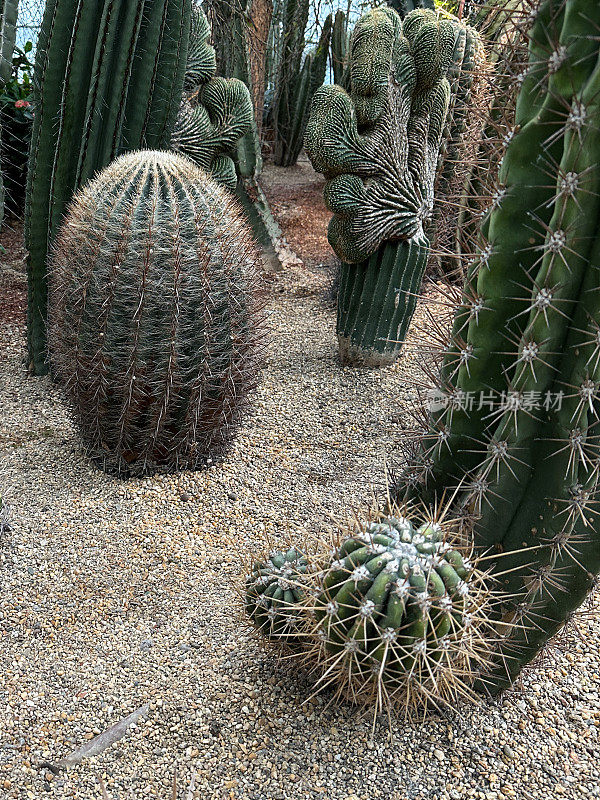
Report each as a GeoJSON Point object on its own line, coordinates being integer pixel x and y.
{"type": "Point", "coordinates": [264, 226]}
{"type": "Point", "coordinates": [352, 355]}
{"type": "Point", "coordinates": [376, 302]}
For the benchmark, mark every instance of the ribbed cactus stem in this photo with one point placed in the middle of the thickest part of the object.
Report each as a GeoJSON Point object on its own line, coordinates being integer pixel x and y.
{"type": "Point", "coordinates": [8, 35]}
{"type": "Point", "coordinates": [153, 314]}
{"type": "Point", "coordinates": [109, 78]}
{"type": "Point", "coordinates": [526, 348]}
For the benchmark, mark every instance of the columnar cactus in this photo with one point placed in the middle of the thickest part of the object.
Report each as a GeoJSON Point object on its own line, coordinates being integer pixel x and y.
{"type": "Point", "coordinates": [517, 423]}
{"type": "Point", "coordinates": [378, 147]}
{"type": "Point", "coordinates": [8, 35]}
{"type": "Point", "coordinates": [109, 78]}
{"type": "Point", "coordinates": [468, 77]}
{"type": "Point", "coordinates": [153, 314]}
{"type": "Point", "coordinates": [297, 82]}
{"type": "Point", "coordinates": [216, 112]}
{"type": "Point", "coordinates": [339, 46]}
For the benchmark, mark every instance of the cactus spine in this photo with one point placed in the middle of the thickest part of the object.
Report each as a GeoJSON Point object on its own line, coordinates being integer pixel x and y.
{"type": "Point", "coordinates": [153, 314]}
{"type": "Point", "coordinates": [526, 346]}
{"type": "Point", "coordinates": [109, 78]}
{"type": "Point", "coordinates": [381, 180]}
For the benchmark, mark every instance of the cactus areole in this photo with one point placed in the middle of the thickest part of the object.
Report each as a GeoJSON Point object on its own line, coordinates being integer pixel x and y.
{"type": "Point", "coordinates": [154, 314]}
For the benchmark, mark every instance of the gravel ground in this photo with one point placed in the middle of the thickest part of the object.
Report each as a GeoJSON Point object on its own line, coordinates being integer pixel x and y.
{"type": "Point", "coordinates": [117, 596]}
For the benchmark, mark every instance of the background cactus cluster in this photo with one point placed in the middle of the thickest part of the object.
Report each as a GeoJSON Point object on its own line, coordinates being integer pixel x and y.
{"type": "Point", "coordinates": [154, 314]}
{"type": "Point", "coordinates": [215, 112]}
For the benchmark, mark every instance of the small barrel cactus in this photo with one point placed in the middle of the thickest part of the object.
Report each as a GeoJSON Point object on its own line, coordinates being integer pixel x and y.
{"type": "Point", "coordinates": [154, 314]}
{"type": "Point", "coordinates": [275, 588]}
{"type": "Point", "coordinates": [396, 610]}
{"type": "Point", "coordinates": [396, 615]}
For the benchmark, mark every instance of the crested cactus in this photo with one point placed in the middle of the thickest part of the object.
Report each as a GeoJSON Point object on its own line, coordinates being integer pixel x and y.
{"type": "Point", "coordinates": [215, 114]}
{"type": "Point", "coordinates": [378, 146]}
{"type": "Point", "coordinates": [517, 423]}
{"type": "Point", "coordinates": [108, 78]}
{"type": "Point", "coordinates": [296, 86]}
{"type": "Point", "coordinates": [153, 314]}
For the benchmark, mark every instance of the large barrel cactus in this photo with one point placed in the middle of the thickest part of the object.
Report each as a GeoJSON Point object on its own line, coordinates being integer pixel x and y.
{"type": "Point", "coordinates": [108, 78]}
{"type": "Point", "coordinates": [378, 147]}
{"type": "Point", "coordinates": [154, 316]}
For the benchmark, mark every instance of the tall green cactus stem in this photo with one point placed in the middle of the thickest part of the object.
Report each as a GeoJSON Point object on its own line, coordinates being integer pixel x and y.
{"type": "Point", "coordinates": [378, 146]}
{"type": "Point", "coordinates": [295, 94]}
{"type": "Point", "coordinates": [216, 112]}
{"type": "Point", "coordinates": [339, 46]}
{"type": "Point", "coordinates": [526, 347]}
{"type": "Point", "coordinates": [8, 35]}
{"type": "Point", "coordinates": [154, 314]}
{"type": "Point", "coordinates": [109, 78]}
{"type": "Point", "coordinates": [469, 95]}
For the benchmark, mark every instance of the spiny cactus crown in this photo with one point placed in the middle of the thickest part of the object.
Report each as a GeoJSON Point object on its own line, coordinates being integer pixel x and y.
{"type": "Point", "coordinates": [154, 318]}
{"type": "Point", "coordinates": [378, 144]}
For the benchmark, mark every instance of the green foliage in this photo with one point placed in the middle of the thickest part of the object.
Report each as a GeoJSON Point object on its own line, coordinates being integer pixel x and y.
{"type": "Point", "coordinates": [108, 78]}
{"type": "Point", "coordinates": [154, 315]}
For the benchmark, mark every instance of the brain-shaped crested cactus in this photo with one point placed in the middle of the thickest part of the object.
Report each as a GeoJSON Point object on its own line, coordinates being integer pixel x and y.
{"type": "Point", "coordinates": [154, 316]}
{"type": "Point", "coordinates": [215, 112]}
{"type": "Point", "coordinates": [378, 143]}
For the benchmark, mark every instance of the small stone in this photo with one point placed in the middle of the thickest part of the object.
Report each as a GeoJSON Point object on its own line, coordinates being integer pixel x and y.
{"type": "Point", "coordinates": [439, 754]}
{"type": "Point", "coordinates": [508, 751]}
{"type": "Point", "coordinates": [184, 497]}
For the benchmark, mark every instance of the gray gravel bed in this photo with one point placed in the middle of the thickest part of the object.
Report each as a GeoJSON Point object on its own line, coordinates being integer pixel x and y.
{"type": "Point", "coordinates": [119, 595]}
